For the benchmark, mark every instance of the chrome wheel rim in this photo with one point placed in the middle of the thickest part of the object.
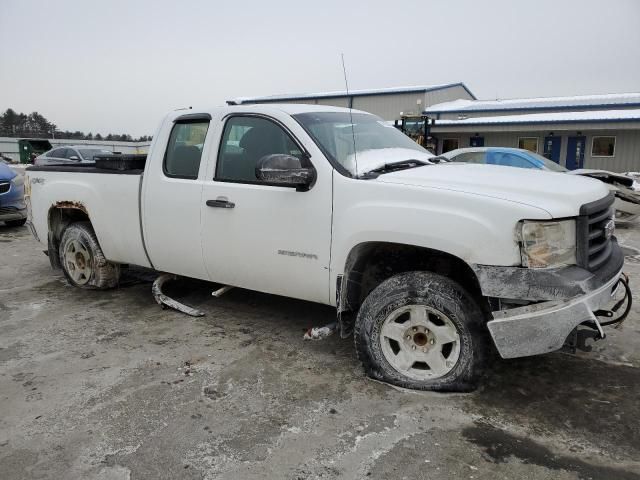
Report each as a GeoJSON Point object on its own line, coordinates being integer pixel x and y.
{"type": "Point", "coordinates": [420, 342]}
{"type": "Point", "coordinates": [78, 262]}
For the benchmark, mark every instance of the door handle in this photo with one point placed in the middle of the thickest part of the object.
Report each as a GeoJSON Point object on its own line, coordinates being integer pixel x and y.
{"type": "Point", "coordinates": [220, 203]}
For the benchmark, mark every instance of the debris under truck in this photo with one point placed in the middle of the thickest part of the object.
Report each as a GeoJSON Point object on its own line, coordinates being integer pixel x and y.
{"type": "Point", "coordinates": [429, 265]}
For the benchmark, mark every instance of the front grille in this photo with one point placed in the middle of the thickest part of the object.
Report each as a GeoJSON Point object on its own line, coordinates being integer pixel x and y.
{"type": "Point", "coordinates": [8, 210]}
{"type": "Point", "coordinates": [4, 187]}
{"type": "Point", "coordinates": [593, 246]}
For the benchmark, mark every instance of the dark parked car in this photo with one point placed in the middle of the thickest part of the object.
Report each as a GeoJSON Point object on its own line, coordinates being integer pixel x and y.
{"type": "Point", "coordinates": [13, 211]}
{"type": "Point", "coordinates": [70, 154]}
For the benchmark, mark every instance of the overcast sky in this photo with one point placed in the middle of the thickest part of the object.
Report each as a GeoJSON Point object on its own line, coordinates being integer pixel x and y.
{"type": "Point", "coordinates": [119, 66]}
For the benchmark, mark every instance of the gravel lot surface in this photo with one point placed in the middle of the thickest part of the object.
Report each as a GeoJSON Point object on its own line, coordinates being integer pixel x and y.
{"type": "Point", "coordinates": [106, 385]}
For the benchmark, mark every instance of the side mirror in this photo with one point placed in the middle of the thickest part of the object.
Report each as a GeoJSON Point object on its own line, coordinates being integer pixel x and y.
{"type": "Point", "coordinates": [285, 170]}
{"type": "Point", "coordinates": [75, 158]}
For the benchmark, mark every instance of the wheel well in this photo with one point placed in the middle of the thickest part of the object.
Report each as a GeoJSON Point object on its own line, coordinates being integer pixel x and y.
{"type": "Point", "coordinates": [369, 264]}
{"type": "Point", "coordinates": [61, 215]}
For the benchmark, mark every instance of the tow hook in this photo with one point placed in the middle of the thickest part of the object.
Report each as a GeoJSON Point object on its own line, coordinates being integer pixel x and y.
{"type": "Point", "coordinates": [577, 339]}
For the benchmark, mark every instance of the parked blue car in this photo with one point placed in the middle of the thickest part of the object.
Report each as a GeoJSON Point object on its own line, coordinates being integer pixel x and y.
{"type": "Point", "coordinates": [624, 187]}
{"type": "Point", "coordinates": [509, 157]}
{"type": "Point", "coordinates": [13, 210]}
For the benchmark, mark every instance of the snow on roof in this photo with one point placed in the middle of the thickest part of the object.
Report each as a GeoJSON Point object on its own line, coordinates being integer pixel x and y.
{"type": "Point", "coordinates": [590, 116]}
{"type": "Point", "coordinates": [343, 93]}
{"type": "Point", "coordinates": [610, 99]}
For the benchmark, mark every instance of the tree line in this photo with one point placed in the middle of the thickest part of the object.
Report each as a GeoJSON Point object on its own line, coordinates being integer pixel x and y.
{"type": "Point", "coordinates": [35, 125]}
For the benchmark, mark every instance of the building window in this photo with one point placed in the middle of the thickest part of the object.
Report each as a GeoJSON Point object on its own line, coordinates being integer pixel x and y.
{"type": "Point", "coordinates": [449, 144]}
{"type": "Point", "coordinates": [603, 147]}
{"type": "Point", "coordinates": [528, 143]}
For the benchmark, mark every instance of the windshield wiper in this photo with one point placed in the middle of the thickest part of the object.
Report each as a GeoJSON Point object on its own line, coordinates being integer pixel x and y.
{"type": "Point", "coordinates": [393, 167]}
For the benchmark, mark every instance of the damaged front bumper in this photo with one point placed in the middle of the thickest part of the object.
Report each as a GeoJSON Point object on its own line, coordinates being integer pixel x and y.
{"type": "Point", "coordinates": [564, 299]}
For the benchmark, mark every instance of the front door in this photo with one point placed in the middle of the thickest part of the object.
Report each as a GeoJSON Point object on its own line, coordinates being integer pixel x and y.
{"type": "Point", "coordinates": [476, 142]}
{"type": "Point", "coordinates": [552, 148]}
{"type": "Point", "coordinates": [260, 236]}
{"type": "Point", "coordinates": [575, 152]}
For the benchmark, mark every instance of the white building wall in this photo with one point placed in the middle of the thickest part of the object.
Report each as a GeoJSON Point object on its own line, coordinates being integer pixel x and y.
{"type": "Point", "coordinates": [449, 94]}
{"type": "Point", "coordinates": [390, 107]}
{"type": "Point", "coordinates": [331, 102]}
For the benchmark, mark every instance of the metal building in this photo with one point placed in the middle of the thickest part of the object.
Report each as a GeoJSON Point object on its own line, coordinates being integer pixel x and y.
{"type": "Point", "coordinates": [588, 131]}
{"type": "Point", "coordinates": [388, 103]}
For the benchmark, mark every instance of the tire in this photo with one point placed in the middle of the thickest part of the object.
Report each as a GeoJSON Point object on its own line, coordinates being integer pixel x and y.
{"type": "Point", "coordinates": [16, 223]}
{"type": "Point", "coordinates": [82, 260]}
{"type": "Point", "coordinates": [422, 331]}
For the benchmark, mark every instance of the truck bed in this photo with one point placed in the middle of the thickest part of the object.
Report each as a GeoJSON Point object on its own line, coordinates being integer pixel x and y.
{"type": "Point", "coordinates": [111, 199]}
{"type": "Point", "coordinates": [106, 164]}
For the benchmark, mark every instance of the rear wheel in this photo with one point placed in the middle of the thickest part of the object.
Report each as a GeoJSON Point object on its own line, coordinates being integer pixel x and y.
{"type": "Point", "coordinates": [423, 331]}
{"type": "Point", "coordinates": [16, 223]}
{"type": "Point", "coordinates": [82, 260]}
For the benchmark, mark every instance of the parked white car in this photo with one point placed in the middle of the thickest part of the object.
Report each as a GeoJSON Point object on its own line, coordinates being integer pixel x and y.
{"type": "Point", "coordinates": [624, 187]}
{"type": "Point", "coordinates": [427, 263]}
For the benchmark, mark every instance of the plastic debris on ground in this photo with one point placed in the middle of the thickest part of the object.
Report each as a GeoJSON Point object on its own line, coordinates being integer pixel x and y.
{"type": "Point", "coordinates": [320, 333]}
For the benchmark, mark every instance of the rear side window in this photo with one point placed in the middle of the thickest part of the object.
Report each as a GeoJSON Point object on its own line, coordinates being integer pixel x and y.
{"type": "Point", "coordinates": [184, 150]}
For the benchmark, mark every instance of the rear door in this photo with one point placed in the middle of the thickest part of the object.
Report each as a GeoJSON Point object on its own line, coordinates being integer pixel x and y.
{"type": "Point", "coordinates": [261, 236]}
{"type": "Point", "coordinates": [171, 197]}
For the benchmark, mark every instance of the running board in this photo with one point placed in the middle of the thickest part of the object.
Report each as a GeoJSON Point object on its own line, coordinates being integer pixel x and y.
{"type": "Point", "coordinates": [164, 301]}
{"type": "Point", "coordinates": [221, 291]}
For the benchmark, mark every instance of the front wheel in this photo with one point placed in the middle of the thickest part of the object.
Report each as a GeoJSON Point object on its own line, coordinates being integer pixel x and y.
{"type": "Point", "coordinates": [423, 331]}
{"type": "Point", "coordinates": [82, 260]}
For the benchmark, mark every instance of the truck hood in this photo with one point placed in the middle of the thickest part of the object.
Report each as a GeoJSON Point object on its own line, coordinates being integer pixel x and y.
{"type": "Point", "coordinates": [559, 194]}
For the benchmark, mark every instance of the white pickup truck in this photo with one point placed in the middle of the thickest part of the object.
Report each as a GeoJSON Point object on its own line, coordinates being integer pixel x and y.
{"type": "Point", "coordinates": [429, 264]}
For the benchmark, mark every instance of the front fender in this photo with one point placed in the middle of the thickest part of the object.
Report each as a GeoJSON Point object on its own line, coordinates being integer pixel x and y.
{"type": "Point", "coordinates": [473, 228]}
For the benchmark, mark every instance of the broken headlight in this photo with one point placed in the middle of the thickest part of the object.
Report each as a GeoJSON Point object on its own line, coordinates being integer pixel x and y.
{"type": "Point", "coordinates": [545, 244]}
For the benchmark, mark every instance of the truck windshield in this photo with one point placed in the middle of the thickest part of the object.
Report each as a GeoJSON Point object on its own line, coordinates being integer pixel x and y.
{"type": "Point", "coordinates": [374, 142]}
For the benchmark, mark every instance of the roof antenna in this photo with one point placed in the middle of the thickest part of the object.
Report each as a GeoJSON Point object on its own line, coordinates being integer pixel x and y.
{"type": "Point", "coordinates": [353, 135]}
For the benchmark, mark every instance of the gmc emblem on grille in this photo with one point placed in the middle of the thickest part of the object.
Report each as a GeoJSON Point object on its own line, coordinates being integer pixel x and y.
{"type": "Point", "coordinates": [609, 228]}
